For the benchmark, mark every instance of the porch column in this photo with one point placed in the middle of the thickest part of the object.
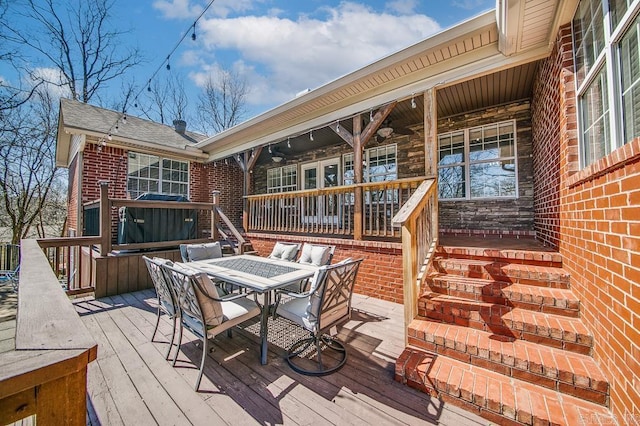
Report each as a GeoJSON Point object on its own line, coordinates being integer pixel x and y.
{"type": "Point", "coordinates": [247, 160]}
{"type": "Point", "coordinates": [431, 149]}
{"type": "Point", "coordinates": [105, 218]}
{"type": "Point", "coordinates": [215, 195]}
{"type": "Point", "coordinates": [358, 149]}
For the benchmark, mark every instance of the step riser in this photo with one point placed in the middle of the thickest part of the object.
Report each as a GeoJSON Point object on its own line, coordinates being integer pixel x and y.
{"type": "Point", "coordinates": [536, 373]}
{"type": "Point", "coordinates": [493, 397]}
{"type": "Point", "coordinates": [517, 258]}
{"type": "Point", "coordinates": [490, 319]}
{"type": "Point", "coordinates": [497, 272]}
{"type": "Point", "coordinates": [498, 293]}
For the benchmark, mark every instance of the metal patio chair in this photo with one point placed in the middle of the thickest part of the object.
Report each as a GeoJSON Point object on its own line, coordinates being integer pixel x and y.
{"type": "Point", "coordinates": [327, 303]}
{"type": "Point", "coordinates": [167, 297]}
{"type": "Point", "coordinates": [202, 311]}
{"type": "Point", "coordinates": [12, 277]}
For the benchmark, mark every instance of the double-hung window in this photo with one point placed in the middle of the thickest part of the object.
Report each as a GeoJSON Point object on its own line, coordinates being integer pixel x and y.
{"type": "Point", "coordinates": [150, 173]}
{"type": "Point", "coordinates": [607, 66]}
{"type": "Point", "coordinates": [380, 164]}
{"type": "Point", "coordinates": [478, 162]}
{"type": "Point", "coordinates": [282, 179]}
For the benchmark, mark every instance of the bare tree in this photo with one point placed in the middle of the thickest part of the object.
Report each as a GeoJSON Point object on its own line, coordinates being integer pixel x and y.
{"type": "Point", "coordinates": [77, 40]}
{"type": "Point", "coordinates": [166, 100]}
{"type": "Point", "coordinates": [222, 104]}
{"type": "Point", "coordinates": [27, 159]}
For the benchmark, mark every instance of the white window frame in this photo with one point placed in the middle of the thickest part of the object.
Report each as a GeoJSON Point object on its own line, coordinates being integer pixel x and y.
{"type": "Point", "coordinates": [467, 162]}
{"type": "Point", "coordinates": [347, 165]}
{"type": "Point", "coordinates": [609, 61]}
{"type": "Point", "coordinates": [160, 180]}
{"type": "Point", "coordinates": [278, 175]}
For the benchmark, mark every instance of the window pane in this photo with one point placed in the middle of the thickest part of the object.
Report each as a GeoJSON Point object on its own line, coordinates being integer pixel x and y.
{"type": "Point", "coordinates": [588, 36]}
{"type": "Point", "coordinates": [595, 120]}
{"type": "Point", "coordinates": [451, 182]}
{"type": "Point", "coordinates": [493, 179]}
{"type": "Point", "coordinates": [618, 9]}
{"type": "Point", "coordinates": [630, 76]}
{"type": "Point", "coordinates": [451, 147]}
{"type": "Point", "coordinates": [310, 178]}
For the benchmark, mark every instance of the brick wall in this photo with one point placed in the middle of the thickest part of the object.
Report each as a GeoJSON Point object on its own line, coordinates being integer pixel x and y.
{"type": "Point", "coordinates": [505, 216]}
{"type": "Point", "coordinates": [72, 197]}
{"type": "Point", "coordinates": [598, 231]}
{"type": "Point", "coordinates": [380, 273]}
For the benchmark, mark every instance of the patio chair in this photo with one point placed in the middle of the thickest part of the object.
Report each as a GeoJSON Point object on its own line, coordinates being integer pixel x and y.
{"type": "Point", "coordinates": [204, 251]}
{"type": "Point", "coordinates": [326, 304]}
{"type": "Point", "coordinates": [202, 311]}
{"type": "Point", "coordinates": [312, 254]}
{"type": "Point", "coordinates": [285, 251]}
{"type": "Point", "coordinates": [12, 277]}
{"type": "Point", "coordinates": [167, 297]}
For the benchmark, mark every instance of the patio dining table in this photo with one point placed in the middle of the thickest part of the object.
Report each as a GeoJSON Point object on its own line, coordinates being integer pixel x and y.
{"type": "Point", "coordinates": [259, 274]}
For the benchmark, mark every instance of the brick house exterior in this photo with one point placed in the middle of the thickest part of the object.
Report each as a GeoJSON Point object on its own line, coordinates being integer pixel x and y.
{"type": "Point", "coordinates": [590, 216]}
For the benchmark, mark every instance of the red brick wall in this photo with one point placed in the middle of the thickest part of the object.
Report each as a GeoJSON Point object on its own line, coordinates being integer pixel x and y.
{"type": "Point", "coordinates": [72, 196]}
{"type": "Point", "coordinates": [380, 274]}
{"type": "Point", "coordinates": [599, 230]}
{"type": "Point", "coordinates": [107, 163]}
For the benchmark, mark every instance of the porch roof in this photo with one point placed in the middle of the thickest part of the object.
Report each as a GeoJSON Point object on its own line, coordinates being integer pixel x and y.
{"type": "Point", "coordinates": [517, 32]}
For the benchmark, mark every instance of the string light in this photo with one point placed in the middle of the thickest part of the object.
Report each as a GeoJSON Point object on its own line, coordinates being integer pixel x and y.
{"type": "Point", "coordinates": [168, 64]}
{"type": "Point", "coordinates": [288, 142]}
{"type": "Point", "coordinates": [311, 136]}
{"type": "Point", "coordinates": [124, 119]}
{"type": "Point", "coordinates": [338, 126]}
{"type": "Point", "coordinates": [193, 35]}
{"type": "Point", "coordinates": [413, 102]}
{"type": "Point", "coordinates": [109, 136]}
{"type": "Point", "coordinates": [371, 115]}
{"type": "Point", "coordinates": [270, 149]}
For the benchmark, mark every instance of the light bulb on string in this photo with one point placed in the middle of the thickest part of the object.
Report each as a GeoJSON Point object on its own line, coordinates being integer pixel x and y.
{"type": "Point", "coordinates": [109, 136]}
{"type": "Point", "coordinates": [270, 149]}
{"type": "Point", "coordinates": [413, 102]}
{"type": "Point", "coordinates": [338, 126]}
{"type": "Point", "coordinates": [370, 115]}
{"type": "Point", "coordinates": [311, 136]}
{"type": "Point", "coordinates": [124, 119]}
{"type": "Point", "coordinates": [288, 142]}
{"type": "Point", "coordinates": [168, 64]}
{"type": "Point", "coordinates": [193, 35]}
{"type": "Point", "coordinates": [115, 130]}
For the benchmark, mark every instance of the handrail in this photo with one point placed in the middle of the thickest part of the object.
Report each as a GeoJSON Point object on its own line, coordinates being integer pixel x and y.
{"type": "Point", "coordinates": [418, 219]}
{"type": "Point", "coordinates": [46, 374]}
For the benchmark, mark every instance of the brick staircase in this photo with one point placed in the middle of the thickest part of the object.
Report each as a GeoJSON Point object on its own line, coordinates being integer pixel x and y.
{"type": "Point", "coordinates": [499, 333]}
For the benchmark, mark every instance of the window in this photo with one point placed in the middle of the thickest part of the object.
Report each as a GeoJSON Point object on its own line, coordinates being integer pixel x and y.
{"type": "Point", "coordinates": [282, 179]}
{"type": "Point", "coordinates": [607, 66]}
{"type": "Point", "coordinates": [380, 165]}
{"type": "Point", "coordinates": [150, 173]}
{"type": "Point", "coordinates": [478, 162]}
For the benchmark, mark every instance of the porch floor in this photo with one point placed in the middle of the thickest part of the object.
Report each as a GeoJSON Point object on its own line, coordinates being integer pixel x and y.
{"type": "Point", "coordinates": [132, 383]}
{"type": "Point", "coordinates": [495, 242]}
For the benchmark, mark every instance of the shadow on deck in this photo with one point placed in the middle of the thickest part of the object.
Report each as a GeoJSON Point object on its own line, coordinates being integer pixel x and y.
{"type": "Point", "coordinates": [132, 383]}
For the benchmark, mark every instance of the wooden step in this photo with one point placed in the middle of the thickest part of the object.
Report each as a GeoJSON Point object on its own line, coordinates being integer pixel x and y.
{"type": "Point", "coordinates": [531, 257]}
{"type": "Point", "coordinates": [547, 329]}
{"type": "Point", "coordinates": [498, 398]}
{"type": "Point", "coordinates": [545, 276]}
{"type": "Point", "coordinates": [574, 374]}
{"type": "Point", "coordinates": [543, 299]}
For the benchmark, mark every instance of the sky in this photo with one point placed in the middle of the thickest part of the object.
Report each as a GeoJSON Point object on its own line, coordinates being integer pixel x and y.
{"type": "Point", "coordinates": [280, 47]}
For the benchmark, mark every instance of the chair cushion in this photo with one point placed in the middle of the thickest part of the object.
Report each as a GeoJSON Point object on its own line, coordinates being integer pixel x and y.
{"type": "Point", "coordinates": [296, 310]}
{"type": "Point", "coordinates": [284, 251]}
{"type": "Point", "coordinates": [204, 251]}
{"type": "Point", "coordinates": [315, 255]}
{"type": "Point", "coordinates": [212, 311]}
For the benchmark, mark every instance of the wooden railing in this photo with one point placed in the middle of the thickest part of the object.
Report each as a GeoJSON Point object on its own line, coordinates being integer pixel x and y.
{"type": "Point", "coordinates": [71, 260]}
{"type": "Point", "coordinates": [331, 211]}
{"type": "Point", "coordinates": [418, 219]}
{"type": "Point", "coordinates": [46, 374]}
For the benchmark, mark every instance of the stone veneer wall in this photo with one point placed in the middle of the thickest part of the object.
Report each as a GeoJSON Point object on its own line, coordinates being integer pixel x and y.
{"type": "Point", "coordinates": [509, 216]}
{"type": "Point", "coordinates": [598, 231]}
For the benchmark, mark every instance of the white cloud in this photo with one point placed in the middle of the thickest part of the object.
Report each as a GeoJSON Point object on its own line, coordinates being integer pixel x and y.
{"type": "Point", "coordinates": [177, 9]}
{"type": "Point", "coordinates": [404, 7]}
{"type": "Point", "coordinates": [52, 78]}
{"type": "Point", "coordinates": [283, 56]}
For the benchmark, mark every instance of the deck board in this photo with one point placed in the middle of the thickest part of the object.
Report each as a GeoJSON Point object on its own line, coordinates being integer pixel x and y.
{"type": "Point", "coordinates": [132, 383]}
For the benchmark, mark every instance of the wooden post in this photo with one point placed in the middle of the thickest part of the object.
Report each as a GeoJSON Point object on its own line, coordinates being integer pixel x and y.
{"type": "Point", "coordinates": [358, 222]}
{"type": "Point", "coordinates": [409, 260]}
{"type": "Point", "coordinates": [105, 218]}
{"type": "Point", "coordinates": [214, 215]}
{"type": "Point", "coordinates": [431, 149]}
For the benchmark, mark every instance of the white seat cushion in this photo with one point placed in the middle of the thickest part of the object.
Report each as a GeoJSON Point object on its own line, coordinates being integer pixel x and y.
{"type": "Point", "coordinates": [204, 251]}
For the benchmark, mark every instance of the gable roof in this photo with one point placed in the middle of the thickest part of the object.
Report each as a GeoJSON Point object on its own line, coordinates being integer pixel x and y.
{"type": "Point", "coordinates": [78, 118]}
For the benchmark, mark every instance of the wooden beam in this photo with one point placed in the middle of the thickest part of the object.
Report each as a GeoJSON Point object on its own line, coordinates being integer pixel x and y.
{"type": "Point", "coordinates": [105, 219]}
{"type": "Point", "coordinates": [430, 133]}
{"type": "Point", "coordinates": [358, 149]}
{"type": "Point", "coordinates": [378, 118]}
{"type": "Point", "coordinates": [343, 133]}
{"type": "Point", "coordinates": [253, 159]}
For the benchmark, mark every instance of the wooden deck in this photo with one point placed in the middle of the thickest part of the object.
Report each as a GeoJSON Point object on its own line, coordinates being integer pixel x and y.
{"type": "Point", "coordinates": [132, 384]}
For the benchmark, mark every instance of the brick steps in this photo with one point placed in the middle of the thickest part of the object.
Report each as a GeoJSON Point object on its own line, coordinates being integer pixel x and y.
{"type": "Point", "coordinates": [515, 273]}
{"type": "Point", "coordinates": [564, 371]}
{"type": "Point", "coordinates": [501, 399]}
{"type": "Point", "coordinates": [539, 327]}
{"type": "Point", "coordinates": [544, 299]}
{"type": "Point", "coordinates": [503, 255]}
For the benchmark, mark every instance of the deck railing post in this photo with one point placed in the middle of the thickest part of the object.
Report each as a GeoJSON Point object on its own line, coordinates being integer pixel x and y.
{"type": "Point", "coordinates": [215, 196]}
{"type": "Point", "coordinates": [105, 218]}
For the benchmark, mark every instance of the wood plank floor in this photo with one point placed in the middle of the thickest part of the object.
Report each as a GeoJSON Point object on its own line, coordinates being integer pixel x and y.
{"type": "Point", "coordinates": [131, 383]}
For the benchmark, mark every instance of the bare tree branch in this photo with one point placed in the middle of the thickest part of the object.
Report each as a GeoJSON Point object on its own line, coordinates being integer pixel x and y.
{"type": "Point", "coordinates": [222, 104]}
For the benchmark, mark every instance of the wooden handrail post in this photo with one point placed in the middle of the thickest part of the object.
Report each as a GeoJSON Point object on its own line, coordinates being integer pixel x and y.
{"type": "Point", "coordinates": [105, 218]}
{"type": "Point", "coordinates": [358, 149]}
{"type": "Point", "coordinates": [215, 195]}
